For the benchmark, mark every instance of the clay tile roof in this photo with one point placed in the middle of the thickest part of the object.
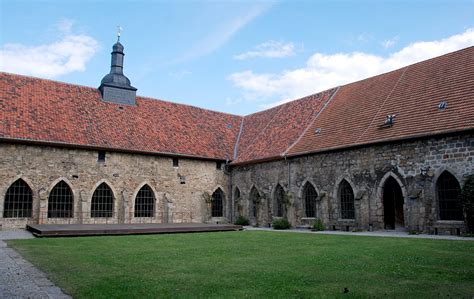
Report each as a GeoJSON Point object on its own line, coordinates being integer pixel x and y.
{"type": "Point", "coordinates": [37, 110]}
{"type": "Point", "coordinates": [358, 111]}
{"type": "Point", "coordinates": [268, 134]}
{"type": "Point", "coordinates": [47, 111]}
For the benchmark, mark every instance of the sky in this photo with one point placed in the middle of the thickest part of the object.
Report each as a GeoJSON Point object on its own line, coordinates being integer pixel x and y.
{"type": "Point", "coordinates": [238, 57]}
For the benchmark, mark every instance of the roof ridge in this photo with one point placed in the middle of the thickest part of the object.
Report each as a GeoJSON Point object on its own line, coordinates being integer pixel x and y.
{"type": "Point", "coordinates": [139, 97]}
{"type": "Point", "coordinates": [236, 147]}
{"type": "Point", "coordinates": [268, 123]}
{"type": "Point", "coordinates": [312, 122]}
{"type": "Point", "coordinates": [383, 103]}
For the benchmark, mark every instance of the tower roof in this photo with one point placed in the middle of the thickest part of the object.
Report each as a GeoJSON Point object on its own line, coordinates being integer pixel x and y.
{"type": "Point", "coordinates": [115, 86]}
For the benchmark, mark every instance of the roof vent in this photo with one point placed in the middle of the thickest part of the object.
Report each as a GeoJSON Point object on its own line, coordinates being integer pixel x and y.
{"type": "Point", "coordinates": [442, 105]}
{"type": "Point", "coordinates": [229, 126]}
{"type": "Point", "coordinates": [317, 131]}
{"type": "Point", "coordinates": [389, 121]}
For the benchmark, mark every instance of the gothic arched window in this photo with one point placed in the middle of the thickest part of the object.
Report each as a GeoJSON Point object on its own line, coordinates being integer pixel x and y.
{"type": "Point", "coordinates": [309, 195]}
{"type": "Point", "coordinates": [102, 204]}
{"type": "Point", "coordinates": [61, 201]}
{"type": "Point", "coordinates": [18, 200]}
{"type": "Point", "coordinates": [145, 202]}
{"type": "Point", "coordinates": [449, 197]}
{"type": "Point", "coordinates": [346, 196]}
{"type": "Point", "coordinates": [217, 207]}
{"type": "Point", "coordinates": [279, 205]}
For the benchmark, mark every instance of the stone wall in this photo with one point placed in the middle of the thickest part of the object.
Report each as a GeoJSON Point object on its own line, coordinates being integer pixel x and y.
{"type": "Point", "coordinates": [44, 166]}
{"type": "Point", "coordinates": [415, 165]}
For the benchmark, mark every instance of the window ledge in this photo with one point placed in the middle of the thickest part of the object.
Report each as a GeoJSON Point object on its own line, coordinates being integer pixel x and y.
{"type": "Point", "coordinates": [346, 220]}
{"type": "Point", "coordinates": [452, 222]}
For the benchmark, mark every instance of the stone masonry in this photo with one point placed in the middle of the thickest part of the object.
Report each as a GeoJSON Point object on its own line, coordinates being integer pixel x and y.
{"type": "Point", "coordinates": [415, 165]}
{"type": "Point", "coordinates": [178, 190]}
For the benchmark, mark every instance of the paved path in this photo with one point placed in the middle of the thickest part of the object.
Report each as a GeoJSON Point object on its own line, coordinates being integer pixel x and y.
{"type": "Point", "coordinates": [393, 234]}
{"type": "Point", "coordinates": [18, 277]}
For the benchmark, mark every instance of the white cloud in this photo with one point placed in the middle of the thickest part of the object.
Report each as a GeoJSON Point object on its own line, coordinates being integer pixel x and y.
{"type": "Point", "coordinates": [388, 43]}
{"type": "Point", "coordinates": [65, 25]}
{"type": "Point", "coordinates": [180, 74]}
{"type": "Point", "coordinates": [269, 49]}
{"type": "Point", "coordinates": [223, 34]}
{"type": "Point", "coordinates": [69, 54]}
{"type": "Point", "coordinates": [364, 37]}
{"type": "Point", "coordinates": [231, 102]}
{"type": "Point", "coordinates": [323, 71]}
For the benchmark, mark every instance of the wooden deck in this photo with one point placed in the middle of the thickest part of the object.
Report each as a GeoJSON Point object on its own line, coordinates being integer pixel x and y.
{"type": "Point", "coordinates": [73, 230]}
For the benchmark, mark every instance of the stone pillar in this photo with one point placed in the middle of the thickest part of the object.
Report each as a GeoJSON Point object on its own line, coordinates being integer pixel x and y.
{"type": "Point", "coordinates": [43, 206]}
{"type": "Point", "coordinates": [85, 207]}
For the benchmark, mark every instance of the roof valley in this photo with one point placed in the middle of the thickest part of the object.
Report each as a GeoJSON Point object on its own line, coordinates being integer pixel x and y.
{"type": "Point", "coordinates": [236, 147]}
{"type": "Point", "coordinates": [311, 122]}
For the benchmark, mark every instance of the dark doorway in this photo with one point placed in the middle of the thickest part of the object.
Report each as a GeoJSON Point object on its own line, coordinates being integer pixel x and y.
{"type": "Point", "coordinates": [393, 205]}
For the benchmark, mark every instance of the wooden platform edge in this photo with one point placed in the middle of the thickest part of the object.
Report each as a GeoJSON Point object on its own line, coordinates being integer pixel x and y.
{"type": "Point", "coordinates": [115, 232]}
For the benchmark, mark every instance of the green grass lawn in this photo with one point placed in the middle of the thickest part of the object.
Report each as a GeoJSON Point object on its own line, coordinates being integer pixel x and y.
{"type": "Point", "coordinates": [254, 264]}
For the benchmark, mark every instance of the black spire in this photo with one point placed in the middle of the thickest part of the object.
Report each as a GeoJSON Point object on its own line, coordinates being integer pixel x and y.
{"type": "Point", "coordinates": [115, 87]}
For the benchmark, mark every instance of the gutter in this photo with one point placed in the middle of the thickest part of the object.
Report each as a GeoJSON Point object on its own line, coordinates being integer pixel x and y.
{"type": "Point", "coordinates": [354, 146]}
{"type": "Point", "coordinates": [100, 148]}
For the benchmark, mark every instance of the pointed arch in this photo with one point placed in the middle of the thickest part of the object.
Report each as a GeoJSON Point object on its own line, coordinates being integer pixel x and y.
{"type": "Point", "coordinates": [254, 198]}
{"type": "Point", "coordinates": [237, 203]}
{"type": "Point", "coordinates": [61, 201]}
{"type": "Point", "coordinates": [18, 201]}
{"type": "Point", "coordinates": [217, 203]}
{"type": "Point", "coordinates": [236, 194]}
{"type": "Point", "coordinates": [309, 198]}
{"type": "Point", "coordinates": [279, 201]}
{"type": "Point", "coordinates": [145, 202]}
{"type": "Point", "coordinates": [102, 202]}
{"type": "Point", "coordinates": [346, 199]}
{"type": "Point", "coordinates": [448, 191]}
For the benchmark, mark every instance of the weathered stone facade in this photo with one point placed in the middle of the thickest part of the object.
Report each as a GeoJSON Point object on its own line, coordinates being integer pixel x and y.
{"type": "Point", "coordinates": [183, 193]}
{"type": "Point", "coordinates": [178, 190]}
{"type": "Point", "coordinates": [415, 165]}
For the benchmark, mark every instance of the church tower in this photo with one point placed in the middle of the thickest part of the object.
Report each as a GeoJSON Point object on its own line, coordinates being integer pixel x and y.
{"type": "Point", "coordinates": [115, 87]}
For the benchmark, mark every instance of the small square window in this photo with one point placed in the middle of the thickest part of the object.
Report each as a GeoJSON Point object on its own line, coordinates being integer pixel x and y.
{"type": "Point", "coordinates": [175, 162]}
{"type": "Point", "coordinates": [219, 165]}
{"type": "Point", "coordinates": [101, 156]}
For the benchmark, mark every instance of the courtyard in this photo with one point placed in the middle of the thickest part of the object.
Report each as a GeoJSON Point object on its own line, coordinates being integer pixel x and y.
{"type": "Point", "coordinates": [253, 264]}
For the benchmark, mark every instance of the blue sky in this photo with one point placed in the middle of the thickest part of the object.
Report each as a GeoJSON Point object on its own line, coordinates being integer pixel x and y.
{"type": "Point", "coordinates": [232, 56]}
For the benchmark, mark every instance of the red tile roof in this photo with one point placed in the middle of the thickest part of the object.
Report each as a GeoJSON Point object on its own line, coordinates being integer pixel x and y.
{"type": "Point", "coordinates": [269, 133]}
{"type": "Point", "coordinates": [52, 112]}
{"type": "Point", "coordinates": [357, 111]}
{"type": "Point", "coordinates": [42, 110]}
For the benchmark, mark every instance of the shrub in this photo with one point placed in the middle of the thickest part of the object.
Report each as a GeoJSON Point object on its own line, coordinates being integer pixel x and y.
{"type": "Point", "coordinates": [241, 220]}
{"type": "Point", "coordinates": [468, 203]}
{"type": "Point", "coordinates": [281, 223]}
{"type": "Point", "coordinates": [318, 225]}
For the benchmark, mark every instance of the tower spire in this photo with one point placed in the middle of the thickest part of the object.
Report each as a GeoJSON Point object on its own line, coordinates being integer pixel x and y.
{"type": "Point", "coordinates": [119, 32]}
{"type": "Point", "coordinates": [115, 86]}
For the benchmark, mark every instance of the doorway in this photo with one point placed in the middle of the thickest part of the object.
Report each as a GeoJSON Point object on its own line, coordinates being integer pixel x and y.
{"type": "Point", "coordinates": [393, 205]}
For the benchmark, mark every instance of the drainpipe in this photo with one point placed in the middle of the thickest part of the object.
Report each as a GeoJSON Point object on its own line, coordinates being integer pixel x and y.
{"type": "Point", "coordinates": [288, 163]}
{"type": "Point", "coordinates": [231, 194]}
